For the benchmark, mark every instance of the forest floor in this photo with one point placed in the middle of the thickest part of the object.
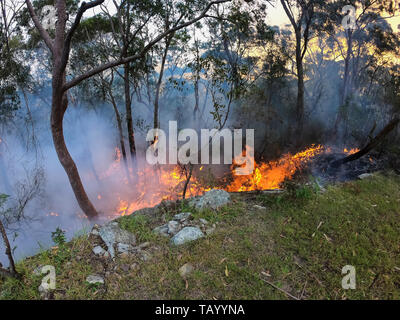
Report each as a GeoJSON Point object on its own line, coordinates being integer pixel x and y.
{"type": "Point", "coordinates": [298, 241]}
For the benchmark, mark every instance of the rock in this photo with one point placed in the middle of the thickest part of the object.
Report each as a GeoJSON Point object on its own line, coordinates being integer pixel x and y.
{"type": "Point", "coordinates": [365, 176]}
{"type": "Point", "coordinates": [173, 227]}
{"type": "Point", "coordinates": [99, 251]}
{"type": "Point", "coordinates": [162, 230]}
{"type": "Point", "coordinates": [259, 207]}
{"type": "Point", "coordinates": [182, 216]}
{"type": "Point", "coordinates": [203, 221]}
{"type": "Point", "coordinates": [186, 269]}
{"type": "Point", "coordinates": [111, 233]}
{"type": "Point", "coordinates": [123, 248]}
{"type": "Point", "coordinates": [187, 234]}
{"type": "Point", "coordinates": [212, 199]}
{"type": "Point", "coordinates": [95, 279]}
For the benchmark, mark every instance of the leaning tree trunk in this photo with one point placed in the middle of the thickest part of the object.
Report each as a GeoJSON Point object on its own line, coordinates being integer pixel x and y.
{"type": "Point", "coordinates": [58, 108]}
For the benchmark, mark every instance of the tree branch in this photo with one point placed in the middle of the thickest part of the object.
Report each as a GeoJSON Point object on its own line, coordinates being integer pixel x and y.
{"type": "Point", "coordinates": [43, 33]}
{"type": "Point", "coordinates": [67, 44]}
{"type": "Point", "coordinates": [72, 83]}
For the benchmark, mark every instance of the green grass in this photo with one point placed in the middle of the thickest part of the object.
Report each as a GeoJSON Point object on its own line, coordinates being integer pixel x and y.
{"type": "Point", "coordinates": [302, 241]}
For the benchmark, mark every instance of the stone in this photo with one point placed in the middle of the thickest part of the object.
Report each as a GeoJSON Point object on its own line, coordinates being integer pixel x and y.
{"type": "Point", "coordinates": [123, 248]}
{"type": "Point", "coordinates": [186, 269]}
{"type": "Point", "coordinates": [111, 234]}
{"type": "Point", "coordinates": [173, 227]}
{"type": "Point", "coordinates": [99, 251]}
{"type": "Point", "coordinates": [259, 207]}
{"type": "Point", "coordinates": [203, 221]}
{"type": "Point", "coordinates": [162, 230]}
{"type": "Point", "coordinates": [95, 279]}
{"type": "Point", "coordinates": [365, 176]}
{"type": "Point", "coordinates": [182, 216]}
{"type": "Point", "coordinates": [187, 234]}
{"type": "Point", "coordinates": [212, 199]}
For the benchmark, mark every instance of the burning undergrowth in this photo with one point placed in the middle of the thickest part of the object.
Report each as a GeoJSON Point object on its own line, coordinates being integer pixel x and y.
{"type": "Point", "coordinates": [154, 184]}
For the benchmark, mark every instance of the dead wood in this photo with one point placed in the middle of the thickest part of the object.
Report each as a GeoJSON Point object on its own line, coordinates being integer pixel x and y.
{"type": "Point", "coordinates": [370, 146]}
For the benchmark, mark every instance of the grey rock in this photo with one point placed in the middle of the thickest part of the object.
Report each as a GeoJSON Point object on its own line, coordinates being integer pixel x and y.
{"type": "Point", "coordinates": [259, 207]}
{"type": "Point", "coordinates": [162, 230]}
{"type": "Point", "coordinates": [99, 251]}
{"type": "Point", "coordinates": [203, 221]}
{"type": "Point", "coordinates": [182, 216]}
{"type": "Point", "coordinates": [212, 199]}
{"type": "Point", "coordinates": [187, 234]}
{"type": "Point", "coordinates": [123, 248]}
{"type": "Point", "coordinates": [365, 176]}
{"type": "Point", "coordinates": [173, 227]}
{"type": "Point", "coordinates": [111, 234]}
{"type": "Point", "coordinates": [95, 279]}
{"type": "Point", "coordinates": [186, 269]}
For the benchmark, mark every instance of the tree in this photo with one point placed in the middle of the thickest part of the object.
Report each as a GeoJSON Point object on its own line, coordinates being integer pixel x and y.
{"type": "Point", "coordinates": [301, 14]}
{"type": "Point", "coordinates": [60, 48]}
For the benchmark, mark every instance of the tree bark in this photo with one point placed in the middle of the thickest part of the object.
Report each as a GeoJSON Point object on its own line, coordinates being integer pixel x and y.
{"type": "Point", "coordinates": [129, 121]}
{"type": "Point", "coordinates": [13, 271]}
{"type": "Point", "coordinates": [300, 90]}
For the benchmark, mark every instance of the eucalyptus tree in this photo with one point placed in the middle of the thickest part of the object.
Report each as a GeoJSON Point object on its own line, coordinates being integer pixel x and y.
{"type": "Point", "coordinates": [60, 49]}
{"type": "Point", "coordinates": [303, 15]}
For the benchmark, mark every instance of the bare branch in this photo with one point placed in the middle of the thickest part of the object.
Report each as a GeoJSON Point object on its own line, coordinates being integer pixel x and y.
{"type": "Point", "coordinates": [43, 33]}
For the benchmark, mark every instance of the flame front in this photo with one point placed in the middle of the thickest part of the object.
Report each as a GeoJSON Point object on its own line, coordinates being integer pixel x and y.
{"type": "Point", "coordinates": [155, 184]}
{"type": "Point", "coordinates": [271, 175]}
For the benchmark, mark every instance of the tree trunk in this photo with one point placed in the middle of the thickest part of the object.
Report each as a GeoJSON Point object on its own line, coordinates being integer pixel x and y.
{"type": "Point", "coordinates": [159, 83]}
{"type": "Point", "coordinates": [300, 91]}
{"type": "Point", "coordinates": [345, 89]}
{"type": "Point", "coordinates": [120, 132]}
{"type": "Point", "coordinates": [129, 121]}
{"type": "Point", "coordinates": [58, 109]}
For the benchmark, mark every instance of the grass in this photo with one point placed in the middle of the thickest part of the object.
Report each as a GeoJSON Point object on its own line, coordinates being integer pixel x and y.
{"type": "Point", "coordinates": [300, 243]}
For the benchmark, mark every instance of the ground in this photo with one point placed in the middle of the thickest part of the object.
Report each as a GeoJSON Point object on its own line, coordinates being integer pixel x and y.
{"type": "Point", "coordinates": [299, 242]}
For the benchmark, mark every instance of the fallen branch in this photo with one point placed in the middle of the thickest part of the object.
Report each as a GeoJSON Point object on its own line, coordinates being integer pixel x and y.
{"type": "Point", "coordinates": [285, 292]}
{"type": "Point", "coordinates": [371, 145]}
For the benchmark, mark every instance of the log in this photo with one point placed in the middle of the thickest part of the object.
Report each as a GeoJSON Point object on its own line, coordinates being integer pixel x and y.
{"type": "Point", "coordinates": [370, 146]}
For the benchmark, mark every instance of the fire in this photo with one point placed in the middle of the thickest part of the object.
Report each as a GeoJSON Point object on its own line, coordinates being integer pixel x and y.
{"type": "Point", "coordinates": [269, 176]}
{"type": "Point", "coordinates": [351, 151]}
{"type": "Point", "coordinates": [152, 185]}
